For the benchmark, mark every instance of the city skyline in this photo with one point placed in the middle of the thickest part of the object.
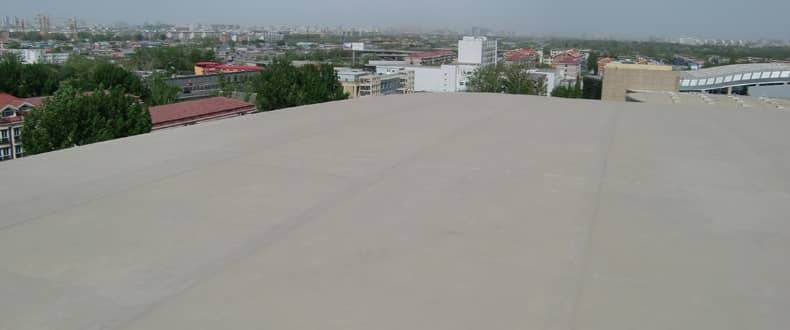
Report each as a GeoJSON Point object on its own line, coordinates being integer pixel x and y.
{"type": "Point", "coordinates": [573, 18]}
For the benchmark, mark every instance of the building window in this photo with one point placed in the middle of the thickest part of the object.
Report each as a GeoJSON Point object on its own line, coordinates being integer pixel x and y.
{"type": "Point", "coordinates": [17, 131]}
{"type": "Point", "coordinates": [19, 151]}
{"type": "Point", "coordinates": [5, 153]}
{"type": "Point", "coordinates": [8, 113]}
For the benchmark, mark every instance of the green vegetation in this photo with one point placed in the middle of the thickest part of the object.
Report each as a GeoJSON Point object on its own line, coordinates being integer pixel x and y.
{"type": "Point", "coordinates": [161, 92]}
{"type": "Point", "coordinates": [505, 78]}
{"type": "Point", "coordinates": [592, 62]}
{"type": "Point", "coordinates": [72, 117]}
{"type": "Point", "coordinates": [666, 51]}
{"type": "Point", "coordinates": [283, 85]}
{"type": "Point", "coordinates": [592, 88]}
{"type": "Point", "coordinates": [574, 92]}
{"type": "Point", "coordinates": [27, 80]}
{"type": "Point", "coordinates": [172, 59]}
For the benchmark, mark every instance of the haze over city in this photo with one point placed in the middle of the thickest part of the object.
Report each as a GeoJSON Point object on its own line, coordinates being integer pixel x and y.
{"type": "Point", "coordinates": [582, 18]}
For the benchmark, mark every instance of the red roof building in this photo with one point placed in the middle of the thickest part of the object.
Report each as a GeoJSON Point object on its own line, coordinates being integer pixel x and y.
{"type": "Point", "coordinates": [521, 55]}
{"type": "Point", "coordinates": [431, 57]}
{"type": "Point", "coordinates": [12, 112]}
{"type": "Point", "coordinates": [202, 68]}
{"type": "Point", "coordinates": [192, 112]}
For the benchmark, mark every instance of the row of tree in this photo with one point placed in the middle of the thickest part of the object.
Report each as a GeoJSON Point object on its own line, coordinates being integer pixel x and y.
{"type": "Point", "coordinates": [171, 59]}
{"type": "Point", "coordinates": [102, 101]}
{"type": "Point", "coordinates": [30, 80]}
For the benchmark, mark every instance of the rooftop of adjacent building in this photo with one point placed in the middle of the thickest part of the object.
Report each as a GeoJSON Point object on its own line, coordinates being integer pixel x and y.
{"type": "Point", "coordinates": [713, 100]}
{"type": "Point", "coordinates": [193, 109]}
{"type": "Point", "coordinates": [735, 69]}
{"type": "Point", "coordinates": [440, 211]}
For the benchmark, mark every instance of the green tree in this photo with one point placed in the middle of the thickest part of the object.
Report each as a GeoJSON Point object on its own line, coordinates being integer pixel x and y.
{"type": "Point", "coordinates": [161, 91]}
{"type": "Point", "coordinates": [282, 85]}
{"type": "Point", "coordinates": [504, 78]}
{"type": "Point", "coordinates": [592, 88]}
{"type": "Point", "coordinates": [592, 62]}
{"type": "Point", "coordinates": [72, 117]}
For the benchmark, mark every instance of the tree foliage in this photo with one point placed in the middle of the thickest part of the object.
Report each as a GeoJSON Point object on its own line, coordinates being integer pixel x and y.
{"type": "Point", "coordinates": [161, 92]}
{"type": "Point", "coordinates": [72, 117]}
{"type": "Point", "coordinates": [172, 59]}
{"type": "Point", "coordinates": [567, 91]}
{"type": "Point", "coordinates": [283, 85]}
{"type": "Point", "coordinates": [26, 80]}
{"type": "Point", "coordinates": [504, 78]}
{"type": "Point", "coordinates": [592, 88]}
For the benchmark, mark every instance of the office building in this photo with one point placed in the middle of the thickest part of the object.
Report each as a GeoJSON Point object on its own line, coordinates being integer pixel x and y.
{"type": "Point", "coordinates": [477, 51]}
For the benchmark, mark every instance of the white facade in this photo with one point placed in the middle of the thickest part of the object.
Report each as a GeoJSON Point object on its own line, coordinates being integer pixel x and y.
{"type": "Point", "coordinates": [477, 50]}
{"type": "Point", "coordinates": [38, 56]}
{"type": "Point", "coordinates": [448, 78]}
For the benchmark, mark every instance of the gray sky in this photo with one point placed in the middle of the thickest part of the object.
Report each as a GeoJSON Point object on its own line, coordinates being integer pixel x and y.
{"type": "Point", "coordinates": [592, 18]}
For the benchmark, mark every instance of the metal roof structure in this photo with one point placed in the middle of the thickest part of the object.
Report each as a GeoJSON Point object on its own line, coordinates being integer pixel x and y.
{"type": "Point", "coordinates": [735, 75]}
{"type": "Point", "coordinates": [423, 211]}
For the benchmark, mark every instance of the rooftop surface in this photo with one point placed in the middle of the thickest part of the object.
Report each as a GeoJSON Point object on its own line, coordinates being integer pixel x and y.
{"type": "Point", "coordinates": [423, 211]}
{"type": "Point", "coordinates": [735, 69]}
{"type": "Point", "coordinates": [713, 100]}
{"type": "Point", "coordinates": [192, 109]}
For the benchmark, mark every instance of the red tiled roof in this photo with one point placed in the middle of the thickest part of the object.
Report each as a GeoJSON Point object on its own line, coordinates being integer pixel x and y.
{"type": "Point", "coordinates": [8, 99]}
{"type": "Point", "coordinates": [519, 54]}
{"type": "Point", "coordinates": [36, 101]}
{"type": "Point", "coordinates": [195, 109]}
{"type": "Point", "coordinates": [565, 59]}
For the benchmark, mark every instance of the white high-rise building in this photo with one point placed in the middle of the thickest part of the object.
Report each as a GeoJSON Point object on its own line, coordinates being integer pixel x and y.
{"type": "Point", "coordinates": [477, 50]}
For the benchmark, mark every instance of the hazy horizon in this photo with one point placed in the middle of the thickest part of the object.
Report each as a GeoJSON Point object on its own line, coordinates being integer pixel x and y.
{"type": "Point", "coordinates": [570, 18]}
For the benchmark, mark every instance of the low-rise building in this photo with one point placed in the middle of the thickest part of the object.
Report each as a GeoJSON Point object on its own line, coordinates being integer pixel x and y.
{"type": "Point", "coordinates": [358, 83]}
{"type": "Point", "coordinates": [193, 112]}
{"type": "Point", "coordinates": [431, 57]}
{"type": "Point", "coordinates": [522, 55]}
{"type": "Point", "coordinates": [203, 68]}
{"type": "Point", "coordinates": [568, 67]}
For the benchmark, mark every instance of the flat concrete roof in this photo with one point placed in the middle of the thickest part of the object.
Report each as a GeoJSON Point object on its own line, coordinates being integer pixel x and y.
{"type": "Point", "coordinates": [424, 211]}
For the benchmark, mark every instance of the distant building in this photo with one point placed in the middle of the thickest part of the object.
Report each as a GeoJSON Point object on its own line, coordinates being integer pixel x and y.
{"type": "Point", "coordinates": [477, 50]}
{"type": "Point", "coordinates": [38, 56]}
{"type": "Point", "coordinates": [203, 68]}
{"type": "Point", "coordinates": [431, 57]}
{"type": "Point", "coordinates": [359, 83]}
{"type": "Point", "coordinates": [522, 55]}
{"type": "Point", "coordinates": [447, 78]}
{"type": "Point", "coordinates": [547, 76]}
{"type": "Point", "coordinates": [568, 67]}
{"type": "Point", "coordinates": [193, 112]}
{"type": "Point", "coordinates": [12, 112]}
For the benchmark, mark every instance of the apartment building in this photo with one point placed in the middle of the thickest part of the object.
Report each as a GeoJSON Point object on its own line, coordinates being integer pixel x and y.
{"type": "Point", "coordinates": [12, 111]}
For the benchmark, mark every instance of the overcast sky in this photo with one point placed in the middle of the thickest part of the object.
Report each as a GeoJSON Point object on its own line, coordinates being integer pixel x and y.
{"type": "Point", "coordinates": [592, 18]}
